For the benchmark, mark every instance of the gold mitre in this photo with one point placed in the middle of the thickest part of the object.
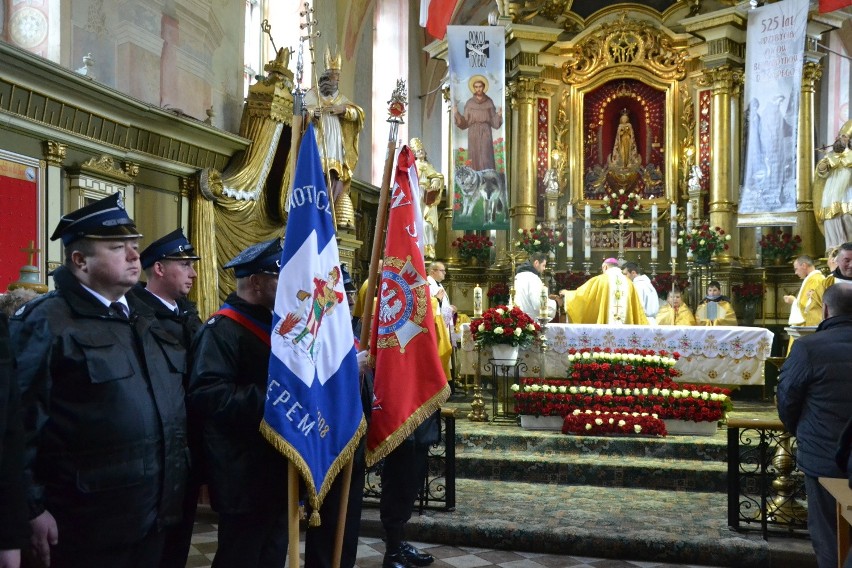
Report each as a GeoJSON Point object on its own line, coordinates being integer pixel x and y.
{"type": "Point", "coordinates": [333, 61]}
{"type": "Point", "coordinates": [415, 144]}
{"type": "Point", "coordinates": [846, 129]}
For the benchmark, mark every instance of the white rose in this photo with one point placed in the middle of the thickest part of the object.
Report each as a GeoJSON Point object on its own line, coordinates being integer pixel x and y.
{"type": "Point", "coordinates": [622, 423]}
{"type": "Point", "coordinates": [588, 426]}
{"type": "Point", "coordinates": [599, 392]}
{"type": "Point", "coordinates": [520, 231]}
{"type": "Point", "coordinates": [563, 389]}
{"type": "Point", "coordinates": [481, 327]}
{"type": "Point", "coordinates": [644, 391]}
{"type": "Point", "coordinates": [561, 244]}
{"type": "Point", "coordinates": [500, 311]}
{"type": "Point", "coordinates": [623, 206]}
{"type": "Point", "coordinates": [695, 394]}
{"type": "Point", "coordinates": [680, 241]}
{"type": "Point", "coordinates": [598, 421]}
{"type": "Point", "coordinates": [727, 237]}
{"type": "Point", "coordinates": [618, 391]}
{"type": "Point", "coordinates": [538, 227]}
{"type": "Point", "coordinates": [608, 209]}
{"type": "Point", "coordinates": [498, 330]}
{"type": "Point", "coordinates": [665, 392]}
{"type": "Point", "coordinates": [714, 396]}
{"type": "Point", "coordinates": [608, 392]}
{"type": "Point", "coordinates": [536, 388]}
{"type": "Point", "coordinates": [586, 355]}
{"type": "Point", "coordinates": [705, 396]}
{"type": "Point", "coordinates": [572, 390]}
{"type": "Point", "coordinates": [576, 411]}
{"type": "Point", "coordinates": [676, 394]}
{"type": "Point", "coordinates": [611, 421]}
{"type": "Point", "coordinates": [655, 391]}
{"type": "Point", "coordinates": [536, 242]}
{"type": "Point", "coordinates": [620, 192]}
{"type": "Point", "coordinates": [516, 388]}
{"type": "Point", "coordinates": [518, 331]}
{"type": "Point", "coordinates": [530, 327]}
{"type": "Point", "coordinates": [637, 428]}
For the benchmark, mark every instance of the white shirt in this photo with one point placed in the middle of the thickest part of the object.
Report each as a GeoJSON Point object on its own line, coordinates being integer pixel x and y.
{"type": "Point", "coordinates": [647, 295]}
{"type": "Point", "coordinates": [528, 295]}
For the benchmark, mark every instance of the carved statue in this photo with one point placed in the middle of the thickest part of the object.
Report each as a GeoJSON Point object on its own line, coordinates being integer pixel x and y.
{"type": "Point", "coordinates": [338, 123]}
{"type": "Point", "coordinates": [695, 176]}
{"type": "Point", "coordinates": [625, 155]}
{"type": "Point", "coordinates": [431, 193]}
{"type": "Point", "coordinates": [832, 182]}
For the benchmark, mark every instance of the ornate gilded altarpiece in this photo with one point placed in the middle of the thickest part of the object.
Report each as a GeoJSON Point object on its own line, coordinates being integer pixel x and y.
{"type": "Point", "coordinates": [623, 73]}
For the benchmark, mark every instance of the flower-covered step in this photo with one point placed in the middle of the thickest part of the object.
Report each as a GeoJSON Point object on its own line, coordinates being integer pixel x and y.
{"type": "Point", "coordinates": [619, 392]}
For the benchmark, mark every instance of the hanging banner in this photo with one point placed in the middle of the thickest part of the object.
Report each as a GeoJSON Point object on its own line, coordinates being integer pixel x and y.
{"type": "Point", "coordinates": [773, 78]}
{"type": "Point", "coordinates": [477, 75]}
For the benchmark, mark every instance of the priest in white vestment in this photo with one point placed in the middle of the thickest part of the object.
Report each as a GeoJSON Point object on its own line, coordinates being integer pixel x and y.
{"type": "Point", "coordinates": [529, 287]}
{"type": "Point", "coordinates": [608, 298]}
{"type": "Point", "coordinates": [647, 293]}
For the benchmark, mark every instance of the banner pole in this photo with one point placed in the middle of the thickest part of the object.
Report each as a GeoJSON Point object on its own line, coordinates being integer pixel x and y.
{"type": "Point", "coordinates": [346, 483]}
{"type": "Point", "coordinates": [396, 111]}
{"type": "Point", "coordinates": [293, 514]}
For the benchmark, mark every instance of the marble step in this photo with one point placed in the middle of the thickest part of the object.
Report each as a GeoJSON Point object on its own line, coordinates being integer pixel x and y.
{"type": "Point", "coordinates": [595, 470]}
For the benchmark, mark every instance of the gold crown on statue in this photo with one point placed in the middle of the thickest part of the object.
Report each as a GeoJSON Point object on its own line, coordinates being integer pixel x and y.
{"type": "Point", "coordinates": [333, 61]}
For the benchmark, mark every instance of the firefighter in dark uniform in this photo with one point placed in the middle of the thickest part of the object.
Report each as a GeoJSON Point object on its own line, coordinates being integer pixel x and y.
{"type": "Point", "coordinates": [227, 388]}
{"type": "Point", "coordinates": [169, 265]}
{"type": "Point", "coordinates": [103, 403]}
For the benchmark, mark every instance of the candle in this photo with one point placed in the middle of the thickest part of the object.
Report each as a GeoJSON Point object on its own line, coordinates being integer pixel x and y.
{"type": "Point", "coordinates": [587, 233]}
{"type": "Point", "coordinates": [477, 301]}
{"type": "Point", "coordinates": [569, 232]}
{"type": "Point", "coordinates": [653, 231]}
{"type": "Point", "coordinates": [673, 231]}
{"type": "Point", "coordinates": [542, 311]}
{"type": "Point", "coordinates": [689, 215]}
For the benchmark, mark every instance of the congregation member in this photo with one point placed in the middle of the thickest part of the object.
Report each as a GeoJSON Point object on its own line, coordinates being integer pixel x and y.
{"type": "Point", "coordinates": [647, 293]}
{"type": "Point", "coordinates": [14, 529]}
{"type": "Point", "coordinates": [103, 403]}
{"type": "Point", "coordinates": [169, 268]}
{"type": "Point", "coordinates": [814, 402]}
{"type": "Point", "coordinates": [674, 311]}
{"type": "Point", "coordinates": [843, 272]}
{"type": "Point", "coordinates": [715, 309]}
{"type": "Point", "coordinates": [528, 287]}
{"type": "Point", "coordinates": [608, 298]}
{"type": "Point", "coordinates": [227, 390]}
{"type": "Point", "coordinates": [831, 258]}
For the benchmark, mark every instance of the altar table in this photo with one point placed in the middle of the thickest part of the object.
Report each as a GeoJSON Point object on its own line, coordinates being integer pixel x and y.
{"type": "Point", "coordinates": [723, 355]}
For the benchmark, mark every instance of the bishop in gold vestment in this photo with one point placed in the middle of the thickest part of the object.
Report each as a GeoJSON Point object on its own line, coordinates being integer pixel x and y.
{"type": "Point", "coordinates": [608, 298]}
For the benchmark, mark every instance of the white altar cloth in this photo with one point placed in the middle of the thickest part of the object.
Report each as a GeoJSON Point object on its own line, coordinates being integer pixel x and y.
{"type": "Point", "coordinates": [723, 355]}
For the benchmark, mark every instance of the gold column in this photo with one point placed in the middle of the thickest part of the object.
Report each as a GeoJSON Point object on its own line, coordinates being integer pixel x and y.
{"type": "Point", "coordinates": [806, 226]}
{"type": "Point", "coordinates": [523, 196]}
{"type": "Point", "coordinates": [723, 82]}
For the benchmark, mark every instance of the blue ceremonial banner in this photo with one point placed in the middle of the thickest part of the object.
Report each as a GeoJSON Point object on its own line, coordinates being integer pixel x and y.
{"type": "Point", "coordinates": [313, 413]}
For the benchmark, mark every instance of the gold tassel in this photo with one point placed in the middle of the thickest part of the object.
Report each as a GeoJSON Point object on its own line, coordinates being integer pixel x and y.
{"type": "Point", "coordinates": [315, 516]}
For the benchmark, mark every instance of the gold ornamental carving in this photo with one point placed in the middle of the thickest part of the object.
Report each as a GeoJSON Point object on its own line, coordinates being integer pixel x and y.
{"type": "Point", "coordinates": [625, 42]}
{"type": "Point", "coordinates": [131, 169]}
{"type": "Point", "coordinates": [723, 80]}
{"type": "Point", "coordinates": [688, 147]}
{"type": "Point", "coordinates": [105, 166]}
{"type": "Point", "coordinates": [811, 73]}
{"type": "Point", "coordinates": [54, 152]}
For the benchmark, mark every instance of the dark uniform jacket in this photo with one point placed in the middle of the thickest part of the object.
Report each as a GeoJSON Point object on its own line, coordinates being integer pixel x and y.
{"type": "Point", "coordinates": [815, 394]}
{"type": "Point", "coordinates": [104, 416]}
{"type": "Point", "coordinates": [182, 325]}
{"type": "Point", "coordinates": [227, 388]}
{"type": "Point", "coordinates": [14, 528]}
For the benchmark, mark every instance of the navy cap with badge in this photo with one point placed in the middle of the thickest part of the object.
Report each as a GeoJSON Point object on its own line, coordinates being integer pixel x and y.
{"type": "Point", "coordinates": [348, 284]}
{"type": "Point", "coordinates": [174, 246]}
{"type": "Point", "coordinates": [262, 257]}
{"type": "Point", "coordinates": [103, 219]}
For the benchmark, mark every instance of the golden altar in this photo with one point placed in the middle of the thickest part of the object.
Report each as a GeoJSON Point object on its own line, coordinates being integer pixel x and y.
{"type": "Point", "coordinates": [723, 355]}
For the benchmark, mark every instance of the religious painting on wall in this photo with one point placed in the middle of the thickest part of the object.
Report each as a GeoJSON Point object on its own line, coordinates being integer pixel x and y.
{"type": "Point", "coordinates": [477, 93]}
{"type": "Point", "coordinates": [776, 43]}
{"type": "Point", "coordinates": [20, 216]}
{"type": "Point", "coordinates": [624, 140]}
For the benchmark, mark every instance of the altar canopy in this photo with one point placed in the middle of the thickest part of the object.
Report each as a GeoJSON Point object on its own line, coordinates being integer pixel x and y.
{"type": "Point", "coordinates": [731, 355]}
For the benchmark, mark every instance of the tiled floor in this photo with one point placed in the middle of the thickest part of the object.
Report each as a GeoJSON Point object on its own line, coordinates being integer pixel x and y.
{"type": "Point", "coordinates": [371, 551]}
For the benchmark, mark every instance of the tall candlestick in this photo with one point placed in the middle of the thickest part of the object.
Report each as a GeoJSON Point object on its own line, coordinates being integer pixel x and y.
{"type": "Point", "coordinates": [673, 231]}
{"type": "Point", "coordinates": [542, 310]}
{"type": "Point", "coordinates": [477, 301]}
{"type": "Point", "coordinates": [653, 231]}
{"type": "Point", "coordinates": [587, 233]}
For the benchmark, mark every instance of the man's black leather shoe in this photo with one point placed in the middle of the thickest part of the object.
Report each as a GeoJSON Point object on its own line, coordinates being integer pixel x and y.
{"type": "Point", "coordinates": [395, 560]}
{"type": "Point", "coordinates": [415, 557]}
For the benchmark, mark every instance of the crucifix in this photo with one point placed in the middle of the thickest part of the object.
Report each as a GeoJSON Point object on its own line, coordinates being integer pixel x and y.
{"type": "Point", "coordinates": [621, 232]}
{"type": "Point", "coordinates": [32, 252]}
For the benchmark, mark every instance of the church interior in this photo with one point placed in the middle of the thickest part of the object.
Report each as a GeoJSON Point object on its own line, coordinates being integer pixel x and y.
{"type": "Point", "coordinates": [187, 109]}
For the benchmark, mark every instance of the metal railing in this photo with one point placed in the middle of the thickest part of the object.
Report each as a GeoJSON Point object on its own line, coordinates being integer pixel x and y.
{"type": "Point", "coordinates": [439, 487]}
{"type": "Point", "coordinates": [765, 490]}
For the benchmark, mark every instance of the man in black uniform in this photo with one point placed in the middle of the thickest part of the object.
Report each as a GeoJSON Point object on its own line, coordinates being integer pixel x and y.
{"type": "Point", "coordinates": [103, 403]}
{"type": "Point", "coordinates": [169, 269]}
{"type": "Point", "coordinates": [227, 388]}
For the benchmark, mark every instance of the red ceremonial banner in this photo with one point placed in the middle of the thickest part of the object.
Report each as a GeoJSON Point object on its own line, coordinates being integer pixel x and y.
{"type": "Point", "coordinates": [409, 383]}
{"type": "Point", "coordinates": [832, 5]}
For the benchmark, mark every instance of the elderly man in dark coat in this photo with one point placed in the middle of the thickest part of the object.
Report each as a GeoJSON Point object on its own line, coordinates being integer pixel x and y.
{"type": "Point", "coordinates": [814, 403]}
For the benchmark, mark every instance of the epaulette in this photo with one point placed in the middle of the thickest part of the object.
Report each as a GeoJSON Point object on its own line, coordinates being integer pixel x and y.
{"type": "Point", "coordinates": [213, 319]}
{"type": "Point", "coordinates": [27, 308]}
